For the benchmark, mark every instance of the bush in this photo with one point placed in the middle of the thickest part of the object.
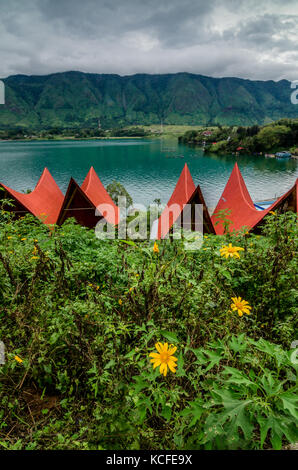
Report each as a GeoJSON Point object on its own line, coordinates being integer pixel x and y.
{"type": "Point", "coordinates": [80, 316]}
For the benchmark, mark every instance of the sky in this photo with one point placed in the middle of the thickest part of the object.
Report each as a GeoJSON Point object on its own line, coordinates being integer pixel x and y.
{"type": "Point", "coordinates": [254, 39]}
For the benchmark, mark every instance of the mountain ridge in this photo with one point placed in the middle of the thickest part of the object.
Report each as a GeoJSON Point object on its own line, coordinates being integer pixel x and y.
{"type": "Point", "coordinates": [77, 99]}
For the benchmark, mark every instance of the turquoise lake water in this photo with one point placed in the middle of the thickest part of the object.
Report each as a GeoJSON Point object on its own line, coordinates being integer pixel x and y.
{"type": "Point", "coordinates": [148, 169]}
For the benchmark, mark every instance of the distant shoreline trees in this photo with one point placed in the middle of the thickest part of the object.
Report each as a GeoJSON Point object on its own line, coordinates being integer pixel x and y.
{"type": "Point", "coordinates": [273, 137]}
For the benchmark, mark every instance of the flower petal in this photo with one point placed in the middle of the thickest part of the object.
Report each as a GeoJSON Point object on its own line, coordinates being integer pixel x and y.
{"type": "Point", "coordinates": [172, 366]}
{"type": "Point", "coordinates": [156, 364]}
{"type": "Point", "coordinates": [159, 347]}
{"type": "Point", "coordinates": [153, 354]}
{"type": "Point", "coordinates": [172, 350]}
{"type": "Point", "coordinates": [245, 310]}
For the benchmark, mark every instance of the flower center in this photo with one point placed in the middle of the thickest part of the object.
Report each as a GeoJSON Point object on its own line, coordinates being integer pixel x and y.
{"type": "Point", "coordinates": [164, 356]}
{"type": "Point", "coordinates": [239, 305]}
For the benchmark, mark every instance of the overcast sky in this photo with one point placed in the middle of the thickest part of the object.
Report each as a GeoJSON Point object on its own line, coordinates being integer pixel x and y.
{"type": "Point", "coordinates": [255, 39]}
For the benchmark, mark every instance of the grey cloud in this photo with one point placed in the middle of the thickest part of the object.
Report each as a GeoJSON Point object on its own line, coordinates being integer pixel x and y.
{"type": "Point", "coordinates": [261, 32]}
{"type": "Point", "coordinates": [246, 38]}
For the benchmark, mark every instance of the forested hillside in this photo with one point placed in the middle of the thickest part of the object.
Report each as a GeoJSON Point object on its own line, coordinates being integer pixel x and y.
{"type": "Point", "coordinates": [75, 99]}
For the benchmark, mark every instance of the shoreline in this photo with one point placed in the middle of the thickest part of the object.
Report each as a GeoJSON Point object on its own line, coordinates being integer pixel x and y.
{"type": "Point", "coordinates": [151, 137]}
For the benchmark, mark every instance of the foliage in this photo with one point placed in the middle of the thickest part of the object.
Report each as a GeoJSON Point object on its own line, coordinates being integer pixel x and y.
{"type": "Point", "coordinates": [83, 315]}
{"type": "Point", "coordinates": [279, 135]}
{"type": "Point", "coordinates": [116, 190]}
{"type": "Point", "coordinates": [129, 132]}
{"type": "Point", "coordinates": [79, 100]}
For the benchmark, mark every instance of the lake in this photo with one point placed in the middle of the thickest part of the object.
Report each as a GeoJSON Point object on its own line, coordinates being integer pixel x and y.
{"type": "Point", "coordinates": [148, 169]}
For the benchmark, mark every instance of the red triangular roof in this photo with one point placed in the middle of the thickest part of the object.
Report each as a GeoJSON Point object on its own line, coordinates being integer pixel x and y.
{"type": "Point", "coordinates": [206, 224]}
{"type": "Point", "coordinates": [185, 193]}
{"type": "Point", "coordinates": [181, 194]}
{"type": "Point", "coordinates": [44, 201]}
{"type": "Point", "coordinates": [81, 202]}
{"type": "Point", "coordinates": [96, 192]}
{"type": "Point", "coordinates": [236, 198]}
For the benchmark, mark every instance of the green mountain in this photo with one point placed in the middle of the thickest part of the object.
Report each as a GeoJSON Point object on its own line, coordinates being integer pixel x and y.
{"type": "Point", "coordinates": [76, 99]}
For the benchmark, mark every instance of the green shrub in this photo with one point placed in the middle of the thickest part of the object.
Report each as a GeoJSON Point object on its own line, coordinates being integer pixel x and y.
{"type": "Point", "coordinates": [79, 317]}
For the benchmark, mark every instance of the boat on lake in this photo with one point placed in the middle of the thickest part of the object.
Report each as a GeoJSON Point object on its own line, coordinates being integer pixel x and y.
{"type": "Point", "coordinates": [263, 205]}
{"type": "Point", "coordinates": [283, 154]}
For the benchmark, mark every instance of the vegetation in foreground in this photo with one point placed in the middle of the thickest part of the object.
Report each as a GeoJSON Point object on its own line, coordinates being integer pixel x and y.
{"type": "Point", "coordinates": [274, 137]}
{"type": "Point", "coordinates": [84, 321]}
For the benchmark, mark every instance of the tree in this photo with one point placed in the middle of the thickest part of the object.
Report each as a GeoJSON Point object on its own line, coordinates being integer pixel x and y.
{"type": "Point", "coordinates": [271, 137]}
{"type": "Point", "coordinates": [116, 189]}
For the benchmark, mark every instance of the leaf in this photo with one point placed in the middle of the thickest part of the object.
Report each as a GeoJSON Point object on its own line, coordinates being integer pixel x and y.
{"type": "Point", "coordinates": [139, 384]}
{"type": "Point", "coordinates": [199, 353]}
{"type": "Point", "coordinates": [195, 409]}
{"type": "Point", "coordinates": [214, 359]}
{"type": "Point", "coordinates": [180, 364]}
{"type": "Point", "coordinates": [235, 410]}
{"type": "Point", "coordinates": [54, 338]}
{"type": "Point", "coordinates": [226, 274]}
{"type": "Point", "coordinates": [169, 336]}
{"type": "Point", "coordinates": [128, 242]}
{"type": "Point", "coordinates": [272, 350]}
{"type": "Point", "coordinates": [237, 377]}
{"type": "Point", "coordinates": [273, 423]}
{"type": "Point", "coordinates": [238, 344]}
{"type": "Point", "coordinates": [290, 403]}
{"type": "Point", "coordinates": [270, 385]}
{"type": "Point", "coordinates": [166, 412]}
{"type": "Point", "coordinates": [110, 364]}
{"type": "Point", "coordinates": [130, 354]}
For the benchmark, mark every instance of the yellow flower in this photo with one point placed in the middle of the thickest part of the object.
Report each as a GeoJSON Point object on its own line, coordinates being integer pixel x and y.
{"type": "Point", "coordinates": [97, 287]}
{"type": "Point", "coordinates": [35, 257]}
{"type": "Point", "coordinates": [272, 212]}
{"type": "Point", "coordinates": [130, 289]}
{"type": "Point", "coordinates": [120, 302]}
{"type": "Point", "coordinates": [18, 359]}
{"type": "Point", "coordinates": [155, 248]}
{"type": "Point", "coordinates": [23, 239]}
{"type": "Point", "coordinates": [240, 305]}
{"type": "Point", "coordinates": [8, 238]}
{"type": "Point", "coordinates": [164, 358]}
{"type": "Point", "coordinates": [231, 251]}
